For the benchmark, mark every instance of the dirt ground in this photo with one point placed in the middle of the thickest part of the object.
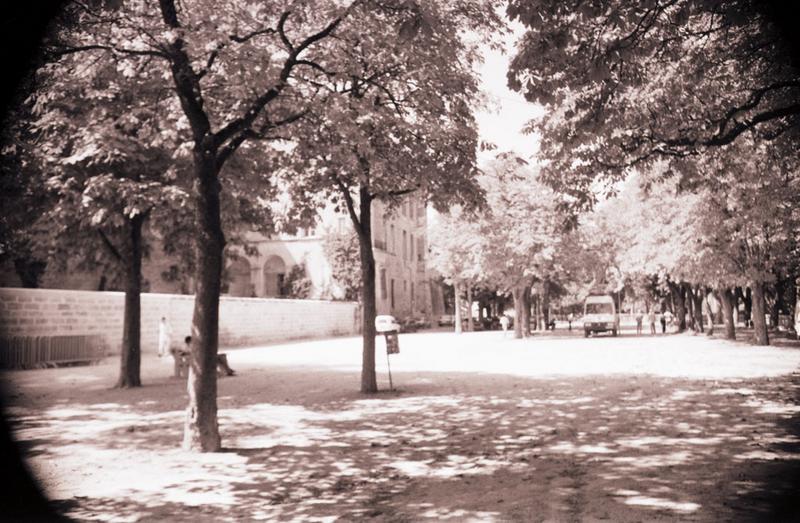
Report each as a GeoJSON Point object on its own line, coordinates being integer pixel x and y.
{"type": "Point", "coordinates": [479, 428]}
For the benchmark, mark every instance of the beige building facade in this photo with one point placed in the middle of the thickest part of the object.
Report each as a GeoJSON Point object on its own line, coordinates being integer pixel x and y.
{"type": "Point", "coordinates": [402, 287]}
{"type": "Point", "coordinates": [400, 247]}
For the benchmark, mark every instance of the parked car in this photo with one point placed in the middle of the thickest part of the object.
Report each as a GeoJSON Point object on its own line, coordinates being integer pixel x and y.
{"type": "Point", "coordinates": [413, 324]}
{"type": "Point", "coordinates": [386, 323]}
{"type": "Point", "coordinates": [476, 324]}
{"type": "Point", "coordinates": [491, 323]}
{"type": "Point", "coordinates": [446, 319]}
{"type": "Point", "coordinates": [422, 323]}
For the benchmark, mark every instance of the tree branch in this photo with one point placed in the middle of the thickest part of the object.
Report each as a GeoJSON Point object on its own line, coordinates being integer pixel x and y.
{"type": "Point", "coordinates": [755, 98]}
{"type": "Point", "coordinates": [210, 62]}
{"type": "Point", "coordinates": [110, 246]}
{"type": "Point", "coordinates": [348, 200]}
{"type": "Point", "coordinates": [186, 80]}
{"type": "Point", "coordinates": [63, 51]}
{"type": "Point", "coordinates": [282, 32]}
{"type": "Point", "coordinates": [398, 192]}
{"type": "Point", "coordinates": [242, 123]}
{"type": "Point", "coordinates": [741, 127]}
{"type": "Point", "coordinates": [231, 147]}
{"type": "Point", "coordinates": [259, 32]}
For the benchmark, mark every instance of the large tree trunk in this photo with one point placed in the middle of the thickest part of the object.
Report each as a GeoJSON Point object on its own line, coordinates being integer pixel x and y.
{"type": "Point", "coordinates": [747, 298]}
{"type": "Point", "coordinates": [469, 308]}
{"type": "Point", "coordinates": [759, 314]}
{"type": "Point", "coordinates": [201, 429]}
{"type": "Point", "coordinates": [676, 291]}
{"type": "Point", "coordinates": [698, 308]}
{"type": "Point", "coordinates": [727, 297]}
{"type": "Point", "coordinates": [526, 310]}
{"type": "Point", "coordinates": [708, 312]}
{"type": "Point", "coordinates": [369, 381]}
{"type": "Point", "coordinates": [689, 298]}
{"type": "Point", "coordinates": [519, 313]}
{"type": "Point", "coordinates": [792, 299]}
{"type": "Point", "coordinates": [131, 357]}
{"type": "Point", "coordinates": [457, 308]}
{"type": "Point", "coordinates": [546, 304]}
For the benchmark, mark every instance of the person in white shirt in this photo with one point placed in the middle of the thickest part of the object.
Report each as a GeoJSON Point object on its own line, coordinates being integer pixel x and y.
{"type": "Point", "coordinates": [164, 337]}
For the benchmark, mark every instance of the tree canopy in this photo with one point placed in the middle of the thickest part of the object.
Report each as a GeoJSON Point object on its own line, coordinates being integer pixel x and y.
{"type": "Point", "coordinates": [630, 82]}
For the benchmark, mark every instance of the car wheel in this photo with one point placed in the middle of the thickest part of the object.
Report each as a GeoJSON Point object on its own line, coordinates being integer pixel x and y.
{"type": "Point", "coordinates": [614, 333]}
{"type": "Point", "coordinates": [585, 334]}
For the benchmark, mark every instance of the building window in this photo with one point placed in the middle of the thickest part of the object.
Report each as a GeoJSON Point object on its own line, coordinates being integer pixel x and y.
{"type": "Point", "coordinates": [412, 296]}
{"type": "Point", "coordinates": [383, 283]}
{"type": "Point", "coordinates": [420, 249]}
{"type": "Point", "coordinates": [391, 291]}
{"type": "Point", "coordinates": [411, 248]}
{"type": "Point", "coordinates": [405, 248]}
{"type": "Point", "coordinates": [393, 248]}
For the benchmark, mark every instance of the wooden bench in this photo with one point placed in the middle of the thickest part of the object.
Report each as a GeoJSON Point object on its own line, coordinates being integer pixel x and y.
{"type": "Point", "coordinates": [181, 360]}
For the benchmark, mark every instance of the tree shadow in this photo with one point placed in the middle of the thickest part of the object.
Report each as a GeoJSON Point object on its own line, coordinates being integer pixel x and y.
{"type": "Point", "coordinates": [454, 446]}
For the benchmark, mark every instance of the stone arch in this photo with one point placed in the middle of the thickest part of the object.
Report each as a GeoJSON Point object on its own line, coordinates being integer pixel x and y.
{"type": "Point", "coordinates": [238, 278]}
{"type": "Point", "coordinates": [274, 276]}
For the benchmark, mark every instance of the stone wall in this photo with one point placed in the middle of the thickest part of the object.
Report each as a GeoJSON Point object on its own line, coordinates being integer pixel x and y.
{"type": "Point", "coordinates": [243, 321]}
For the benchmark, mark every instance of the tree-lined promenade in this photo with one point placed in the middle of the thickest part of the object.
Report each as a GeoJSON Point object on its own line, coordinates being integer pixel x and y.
{"type": "Point", "coordinates": [666, 170]}
{"type": "Point", "coordinates": [558, 427]}
{"type": "Point", "coordinates": [670, 139]}
{"type": "Point", "coordinates": [163, 118]}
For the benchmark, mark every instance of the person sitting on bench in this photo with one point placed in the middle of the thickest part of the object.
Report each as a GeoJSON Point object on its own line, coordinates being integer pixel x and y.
{"type": "Point", "coordinates": [181, 357]}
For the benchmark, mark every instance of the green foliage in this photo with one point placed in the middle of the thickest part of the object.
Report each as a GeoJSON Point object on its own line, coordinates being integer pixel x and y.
{"type": "Point", "coordinates": [513, 242]}
{"type": "Point", "coordinates": [628, 82]}
{"type": "Point", "coordinates": [297, 283]}
{"type": "Point", "coordinates": [22, 201]}
{"type": "Point", "coordinates": [397, 117]}
{"type": "Point", "coordinates": [523, 229]}
{"type": "Point", "coordinates": [342, 253]}
{"type": "Point", "coordinates": [456, 247]}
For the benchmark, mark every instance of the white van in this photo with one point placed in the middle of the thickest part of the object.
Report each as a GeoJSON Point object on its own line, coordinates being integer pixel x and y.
{"type": "Point", "coordinates": [600, 315]}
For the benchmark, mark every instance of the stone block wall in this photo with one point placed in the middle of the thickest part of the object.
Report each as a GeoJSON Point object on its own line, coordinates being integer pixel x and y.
{"type": "Point", "coordinates": [243, 321]}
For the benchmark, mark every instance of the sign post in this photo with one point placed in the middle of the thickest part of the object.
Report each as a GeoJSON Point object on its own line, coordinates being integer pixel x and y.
{"type": "Point", "coordinates": [392, 347]}
{"type": "Point", "coordinates": [388, 326]}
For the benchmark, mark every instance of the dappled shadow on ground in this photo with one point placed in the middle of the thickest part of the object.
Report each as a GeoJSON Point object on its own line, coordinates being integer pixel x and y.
{"type": "Point", "coordinates": [444, 446]}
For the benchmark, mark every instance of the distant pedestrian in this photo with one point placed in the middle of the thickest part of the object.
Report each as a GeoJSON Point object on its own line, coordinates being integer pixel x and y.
{"type": "Point", "coordinates": [164, 337]}
{"type": "Point", "coordinates": [669, 318]}
{"type": "Point", "coordinates": [663, 324]}
{"type": "Point", "coordinates": [651, 316]}
{"type": "Point", "coordinates": [638, 322]}
{"type": "Point", "coordinates": [504, 324]}
{"type": "Point", "coordinates": [570, 317]}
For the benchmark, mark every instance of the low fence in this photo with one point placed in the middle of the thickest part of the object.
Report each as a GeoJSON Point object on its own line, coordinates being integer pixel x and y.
{"type": "Point", "coordinates": [27, 314]}
{"type": "Point", "coordinates": [28, 352]}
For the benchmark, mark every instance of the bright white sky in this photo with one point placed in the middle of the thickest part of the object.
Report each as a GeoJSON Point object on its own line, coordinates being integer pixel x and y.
{"type": "Point", "coordinates": [501, 122]}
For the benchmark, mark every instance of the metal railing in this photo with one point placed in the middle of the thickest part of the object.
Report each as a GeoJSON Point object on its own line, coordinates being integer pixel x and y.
{"type": "Point", "coordinates": [28, 352]}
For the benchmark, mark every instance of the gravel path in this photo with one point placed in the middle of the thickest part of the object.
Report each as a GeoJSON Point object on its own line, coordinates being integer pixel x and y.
{"type": "Point", "coordinates": [479, 428]}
